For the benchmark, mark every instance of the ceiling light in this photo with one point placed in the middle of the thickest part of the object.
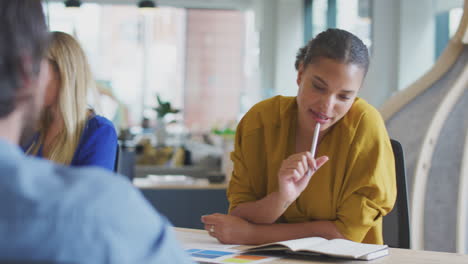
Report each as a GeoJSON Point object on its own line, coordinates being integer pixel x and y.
{"type": "Point", "coordinates": [72, 3]}
{"type": "Point", "coordinates": [146, 4]}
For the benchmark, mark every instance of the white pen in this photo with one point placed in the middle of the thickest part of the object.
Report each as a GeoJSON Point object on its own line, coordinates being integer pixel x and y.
{"type": "Point", "coordinates": [314, 144]}
{"type": "Point", "coordinates": [315, 139]}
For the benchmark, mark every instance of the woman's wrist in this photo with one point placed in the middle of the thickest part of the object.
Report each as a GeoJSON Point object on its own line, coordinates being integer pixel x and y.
{"type": "Point", "coordinates": [253, 234]}
{"type": "Point", "coordinates": [283, 200]}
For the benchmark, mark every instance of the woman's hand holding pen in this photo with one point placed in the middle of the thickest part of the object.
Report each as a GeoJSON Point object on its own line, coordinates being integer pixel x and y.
{"type": "Point", "coordinates": [294, 175]}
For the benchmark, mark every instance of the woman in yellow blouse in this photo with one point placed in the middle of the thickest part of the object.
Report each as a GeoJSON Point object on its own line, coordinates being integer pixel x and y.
{"type": "Point", "coordinates": [272, 197]}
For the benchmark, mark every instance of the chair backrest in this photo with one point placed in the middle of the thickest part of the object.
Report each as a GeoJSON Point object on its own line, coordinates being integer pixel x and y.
{"type": "Point", "coordinates": [125, 162]}
{"type": "Point", "coordinates": [116, 163]}
{"type": "Point", "coordinates": [396, 225]}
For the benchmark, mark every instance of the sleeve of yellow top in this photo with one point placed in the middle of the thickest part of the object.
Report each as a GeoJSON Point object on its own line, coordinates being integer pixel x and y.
{"type": "Point", "coordinates": [239, 189]}
{"type": "Point", "coordinates": [369, 189]}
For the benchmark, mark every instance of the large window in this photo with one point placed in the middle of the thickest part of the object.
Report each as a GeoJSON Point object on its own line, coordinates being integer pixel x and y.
{"type": "Point", "coordinates": [319, 16]}
{"type": "Point", "coordinates": [194, 58]}
{"type": "Point", "coordinates": [214, 63]}
{"type": "Point", "coordinates": [446, 25]}
{"type": "Point", "coordinates": [455, 16]}
{"type": "Point", "coordinates": [354, 16]}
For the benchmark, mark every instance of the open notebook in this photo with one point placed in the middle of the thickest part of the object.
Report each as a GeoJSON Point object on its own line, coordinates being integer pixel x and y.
{"type": "Point", "coordinates": [340, 248]}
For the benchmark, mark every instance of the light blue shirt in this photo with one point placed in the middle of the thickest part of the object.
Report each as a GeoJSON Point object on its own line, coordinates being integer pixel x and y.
{"type": "Point", "coordinates": [77, 215]}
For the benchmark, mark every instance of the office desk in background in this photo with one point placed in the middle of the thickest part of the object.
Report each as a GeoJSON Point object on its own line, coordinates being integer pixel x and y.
{"type": "Point", "coordinates": [396, 256]}
{"type": "Point", "coordinates": [184, 204]}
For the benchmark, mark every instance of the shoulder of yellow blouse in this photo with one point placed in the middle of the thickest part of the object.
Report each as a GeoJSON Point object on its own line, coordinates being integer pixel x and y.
{"type": "Point", "coordinates": [362, 109]}
{"type": "Point", "coordinates": [267, 112]}
{"type": "Point", "coordinates": [362, 113]}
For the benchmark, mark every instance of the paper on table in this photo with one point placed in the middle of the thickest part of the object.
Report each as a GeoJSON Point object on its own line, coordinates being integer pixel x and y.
{"type": "Point", "coordinates": [340, 248]}
{"type": "Point", "coordinates": [226, 257]}
{"type": "Point", "coordinates": [206, 249]}
{"type": "Point", "coordinates": [200, 240]}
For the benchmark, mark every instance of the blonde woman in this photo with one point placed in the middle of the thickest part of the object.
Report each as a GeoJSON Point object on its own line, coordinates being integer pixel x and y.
{"type": "Point", "coordinates": [69, 132]}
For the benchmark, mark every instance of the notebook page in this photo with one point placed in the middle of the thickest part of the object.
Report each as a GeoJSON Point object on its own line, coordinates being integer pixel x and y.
{"type": "Point", "coordinates": [374, 255]}
{"type": "Point", "coordinates": [200, 240]}
{"type": "Point", "coordinates": [347, 248]}
{"type": "Point", "coordinates": [298, 244]}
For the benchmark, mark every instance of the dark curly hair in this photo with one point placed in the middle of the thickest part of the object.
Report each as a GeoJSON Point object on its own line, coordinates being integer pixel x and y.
{"type": "Point", "coordinates": [336, 44]}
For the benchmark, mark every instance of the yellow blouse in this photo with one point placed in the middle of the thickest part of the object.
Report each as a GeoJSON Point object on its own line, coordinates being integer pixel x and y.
{"type": "Point", "coordinates": [354, 189]}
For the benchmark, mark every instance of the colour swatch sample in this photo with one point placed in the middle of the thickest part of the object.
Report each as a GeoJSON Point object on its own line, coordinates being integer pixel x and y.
{"type": "Point", "coordinates": [224, 257]}
{"type": "Point", "coordinates": [244, 259]}
{"type": "Point", "coordinates": [207, 254]}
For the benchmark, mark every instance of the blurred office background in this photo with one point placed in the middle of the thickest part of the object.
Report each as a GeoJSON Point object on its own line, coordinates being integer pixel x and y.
{"type": "Point", "coordinates": [214, 59]}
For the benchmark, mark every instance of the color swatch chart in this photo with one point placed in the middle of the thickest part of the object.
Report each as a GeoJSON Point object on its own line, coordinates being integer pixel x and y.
{"type": "Point", "coordinates": [215, 256]}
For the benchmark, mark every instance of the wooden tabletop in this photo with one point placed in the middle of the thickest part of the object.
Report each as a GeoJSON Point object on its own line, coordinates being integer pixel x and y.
{"type": "Point", "coordinates": [396, 255]}
{"type": "Point", "coordinates": [144, 183]}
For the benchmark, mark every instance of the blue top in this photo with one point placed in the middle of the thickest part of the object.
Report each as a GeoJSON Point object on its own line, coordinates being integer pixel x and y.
{"type": "Point", "coordinates": [55, 213]}
{"type": "Point", "coordinates": [97, 146]}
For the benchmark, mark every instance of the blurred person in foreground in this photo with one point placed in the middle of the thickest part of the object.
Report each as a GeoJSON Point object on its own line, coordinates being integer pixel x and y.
{"type": "Point", "coordinates": [52, 213]}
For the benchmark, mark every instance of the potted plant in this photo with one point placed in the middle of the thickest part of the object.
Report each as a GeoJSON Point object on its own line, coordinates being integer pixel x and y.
{"type": "Point", "coordinates": [162, 110]}
{"type": "Point", "coordinates": [227, 135]}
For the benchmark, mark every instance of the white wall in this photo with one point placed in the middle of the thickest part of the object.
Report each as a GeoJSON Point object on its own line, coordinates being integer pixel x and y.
{"type": "Point", "coordinates": [289, 38]}
{"type": "Point", "coordinates": [266, 24]}
{"type": "Point", "coordinates": [281, 28]}
{"type": "Point", "coordinates": [416, 41]}
{"type": "Point", "coordinates": [403, 46]}
{"type": "Point", "coordinates": [382, 78]}
{"type": "Point", "coordinates": [446, 5]}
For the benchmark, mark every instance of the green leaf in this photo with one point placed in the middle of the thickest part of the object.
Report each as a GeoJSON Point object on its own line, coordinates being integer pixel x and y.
{"type": "Point", "coordinates": [164, 107]}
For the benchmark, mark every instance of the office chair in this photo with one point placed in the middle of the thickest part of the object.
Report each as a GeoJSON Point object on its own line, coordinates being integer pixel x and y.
{"type": "Point", "coordinates": [396, 227]}
{"type": "Point", "coordinates": [125, 162]}
{"type": "Point", "coordinates": [116, 163]}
